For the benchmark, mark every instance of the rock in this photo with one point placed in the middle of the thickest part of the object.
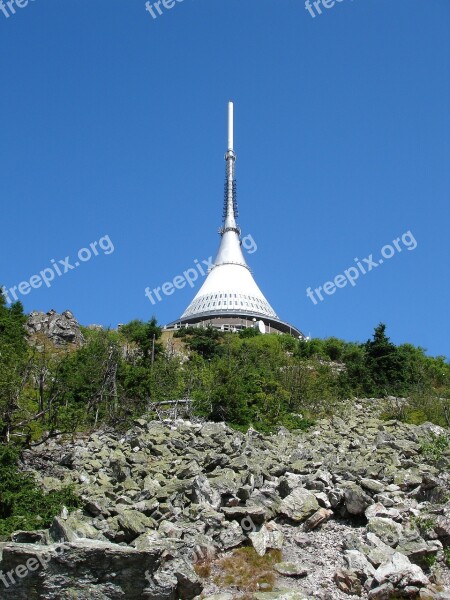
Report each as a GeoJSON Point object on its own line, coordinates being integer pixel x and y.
{"type": "Point", "coordinates": [408, 479]}
{"type": "Point", "coordinates": [267, 538]}
{"type": "Point", "coordinates": [249, 514]}
{"type": "Point", "coordinates": [127, 526]}
{"type": "Point", "coordinates": [382, 592]}
{"type": "Point", "coordinates": [60, 329]}
{"type": "Point", "coordinates": [114, 571]}
{"type": "Point", "coordinates": [400, 572]}
{"type": "Point", "coordinates": [318, 518]}
{"type": "Point", "coordinates": [290, 569]}
{"type": "Point", "coordinates": [378, 510]}
{"type": "Point", "coordinates": [30, 537]}
{"type": "Point", "coordinates": [230, 536]}
{"type": "Point", "coordinates": [322, 499]}
{"type": "Point", "coordinates": [299, 505]}
{"type": "Point", "coordinates": [348, 582]}
{"type": "Point", "coordinates": [442, 529]}
{"type": "Point", "coordinates": [386, 530]}
{"type": "Point", "coordinates": [355, 499]}
{"type": "Point", "coordinates": [372, 485]}
{"type": "Point", "coordinates": [281, 595]}
{"type": "Point", "coordinates": [377, 551]}
{"type": "Point", "coordinates": [182, 492]}
{"type": "Point", "coordinates": [189, 584]}
{"type": "Point", "coordinates": [203, 493]}
{"type": "Point", "coordinates": [301, 539]}
{"type": "Point", "coordinates": [73, 528]}
{"type": "Point", "coordinates": [358, 564]}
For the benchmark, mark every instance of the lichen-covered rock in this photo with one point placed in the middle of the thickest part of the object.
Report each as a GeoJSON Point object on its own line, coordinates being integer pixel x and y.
{"type": "Point", "coordinates": [387, 530]}
{"type": "Point", "coordinates": [299, 505]}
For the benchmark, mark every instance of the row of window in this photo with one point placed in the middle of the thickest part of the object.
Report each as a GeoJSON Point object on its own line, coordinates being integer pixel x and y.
{"type": "Point", "coordinates": [242, 301]}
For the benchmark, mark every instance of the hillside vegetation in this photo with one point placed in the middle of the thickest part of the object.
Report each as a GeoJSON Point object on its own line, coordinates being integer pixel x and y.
{"type": "Point", "coordinates": [245, 379]}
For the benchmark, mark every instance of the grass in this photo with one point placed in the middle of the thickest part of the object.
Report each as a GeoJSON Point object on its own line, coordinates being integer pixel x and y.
{"type": "Point", "coordinates": [424, 524]}
{"type": "Point", "coordinates": [245, 570]}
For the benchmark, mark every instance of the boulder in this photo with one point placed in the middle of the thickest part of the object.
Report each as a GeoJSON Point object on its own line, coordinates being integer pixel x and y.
{"type": "Point", "coordinates": [299, 505]}
{"type": "Point", "coordinates": [358, 564]}
{"type": "Point", "coordinates": [355, 499]}
{"type": "Point", "coordinates": [348, 582]}
{"type": "Point", "coordinates": [317, 519]}
{"type": "Point", "coordinates": [387, 530]}
{"type": "Point", "coordinates": [60, 571]}
{"type": "Point", "coordinates": [400, 572]}
{"type": "Point", "coordinates": [269, 537]}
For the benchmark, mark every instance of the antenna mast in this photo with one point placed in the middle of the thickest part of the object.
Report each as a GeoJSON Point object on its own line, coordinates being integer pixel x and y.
{"type": "Point", "coordinates": [230, 212]}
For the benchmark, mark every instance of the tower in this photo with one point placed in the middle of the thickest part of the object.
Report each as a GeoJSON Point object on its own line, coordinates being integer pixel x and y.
{"type": "Point", "coordinates": [230, 298]}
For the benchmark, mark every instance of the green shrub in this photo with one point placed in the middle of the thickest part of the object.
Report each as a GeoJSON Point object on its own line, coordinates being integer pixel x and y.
{"type": "Point", "coordinates": [435, 446]}
{"type": "Point", "coordinates": [22, 504]}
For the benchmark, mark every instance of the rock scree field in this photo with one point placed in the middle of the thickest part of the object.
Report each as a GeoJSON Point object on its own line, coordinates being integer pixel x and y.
{"type": "Point", "coordinates": [355, 506]}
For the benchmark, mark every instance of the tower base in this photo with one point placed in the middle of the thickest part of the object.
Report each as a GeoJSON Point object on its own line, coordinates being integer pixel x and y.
{"type": "Point", "coordinates": [236, 322]}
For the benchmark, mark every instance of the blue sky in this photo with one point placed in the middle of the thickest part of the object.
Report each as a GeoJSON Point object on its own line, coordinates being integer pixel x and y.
{"type": "Point", "coordinates": [114, 124]}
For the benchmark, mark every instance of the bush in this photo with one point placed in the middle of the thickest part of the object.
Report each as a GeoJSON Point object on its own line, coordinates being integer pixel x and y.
{"type": "Point", "coordinates": [22, 504]}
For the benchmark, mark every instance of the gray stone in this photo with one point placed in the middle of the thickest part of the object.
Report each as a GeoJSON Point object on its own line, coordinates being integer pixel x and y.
{"type": "Point", "coordinates": [387, 530]}
{"type": "Point", "coordinates": [291, 569]}
{"type": "Point", "coordinates": [299, 505]}
{"type": "Point", "coordinates": [358, 563]}
{"type": "Point", "coordinates": [400, 572]}
{"type": "Point", "coordinates": [269, 537]}
{"type": "Point", "coordinates": [355, 499]}
{"type": "Point", "coordinates": [61, 329]}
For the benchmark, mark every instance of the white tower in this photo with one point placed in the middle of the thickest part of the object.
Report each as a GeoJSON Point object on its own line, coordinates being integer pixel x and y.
{"type": "Point", "coordinates": [230, 297]}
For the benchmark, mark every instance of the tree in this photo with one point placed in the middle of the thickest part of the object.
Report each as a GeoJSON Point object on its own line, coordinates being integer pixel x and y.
{"type": "Point", "coordinates": [145, 335]}
{"type": "Point", "coordinates": [14, 366]}
{"type": "Point", "coordinates": [385, 363]}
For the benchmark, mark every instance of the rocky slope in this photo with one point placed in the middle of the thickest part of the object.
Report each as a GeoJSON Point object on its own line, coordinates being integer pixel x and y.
{"type": "Point", "coordinates": [354, 504]}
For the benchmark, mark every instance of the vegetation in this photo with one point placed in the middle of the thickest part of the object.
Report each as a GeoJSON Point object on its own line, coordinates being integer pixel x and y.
{"type": "Point", "coordinates": [434, 447]}
{"type": "Point", "coordinates": [22, 505]}
{"type": "Point", "coordinates": [245, 570]}
{"type": "Point", "coordinates": [447, 556]}
{"type": "Point", "coordinates": [247, 379]}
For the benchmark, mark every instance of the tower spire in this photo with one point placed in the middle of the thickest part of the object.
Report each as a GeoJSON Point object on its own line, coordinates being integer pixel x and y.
{"type": "Point", "coordinates": [230, 212]}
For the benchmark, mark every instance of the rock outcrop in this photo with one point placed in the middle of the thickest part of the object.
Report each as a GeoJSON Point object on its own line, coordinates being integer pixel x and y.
{"type": "Point", "coordinates": [352, 504]}
{"type": "Point", "coordinates": [62, 329]}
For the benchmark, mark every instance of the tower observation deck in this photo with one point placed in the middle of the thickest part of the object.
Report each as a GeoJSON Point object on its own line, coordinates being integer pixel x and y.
{"type": "Point", "coordinates": [230, 298]}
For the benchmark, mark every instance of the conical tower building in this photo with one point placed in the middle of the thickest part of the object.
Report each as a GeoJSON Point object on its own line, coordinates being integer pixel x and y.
{"type": "Point", "coordinates": [230, 298]}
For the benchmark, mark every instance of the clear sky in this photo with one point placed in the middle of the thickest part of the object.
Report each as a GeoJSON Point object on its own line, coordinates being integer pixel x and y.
{"type": "Point", "coordinates": [114, 124]}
